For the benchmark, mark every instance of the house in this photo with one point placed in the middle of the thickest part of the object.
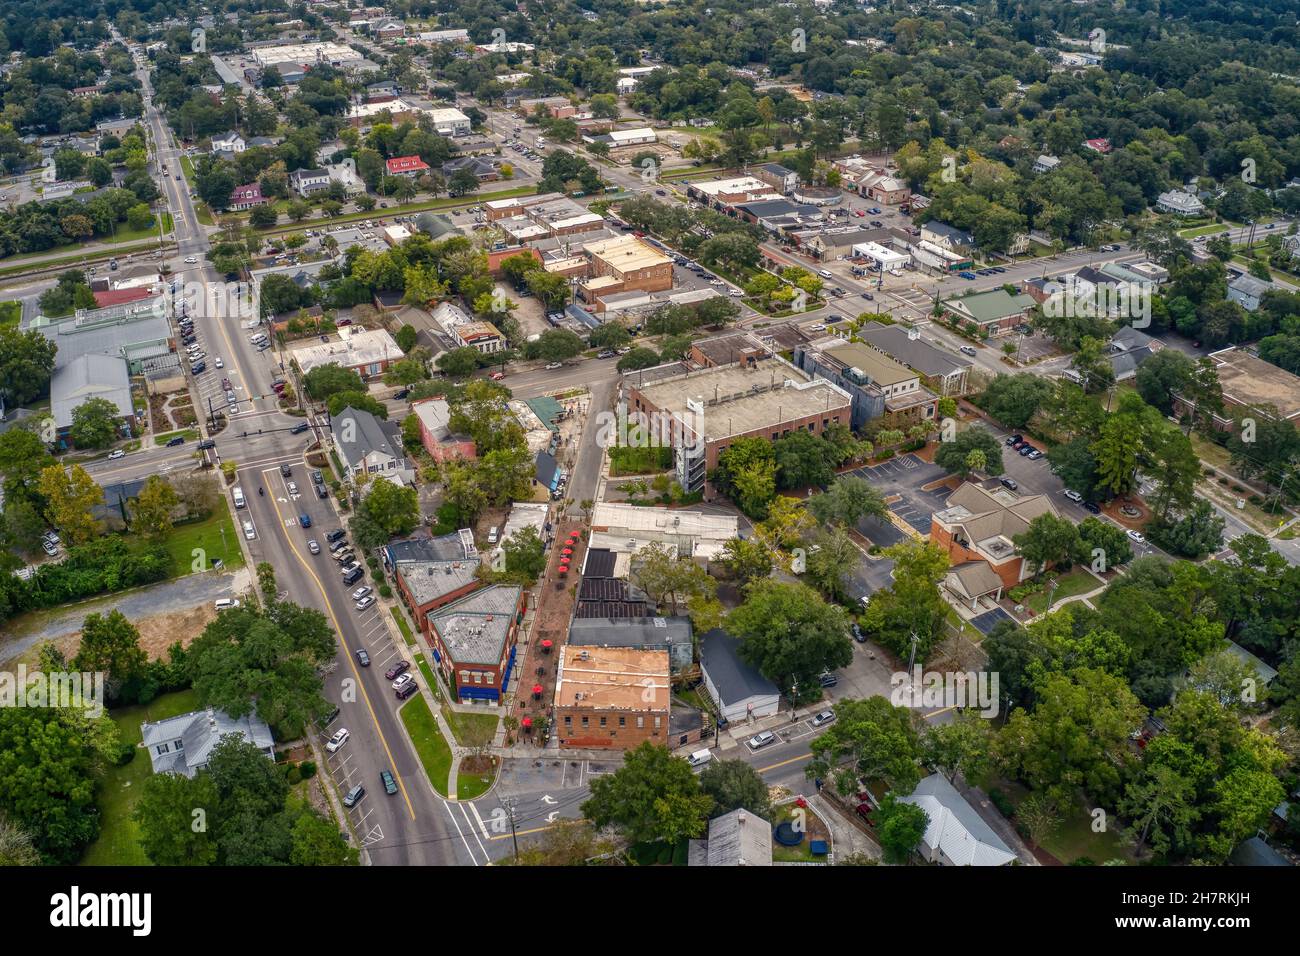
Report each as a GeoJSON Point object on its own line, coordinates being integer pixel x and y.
{"type": "Point", "coordinates": [1045, 163]}
{"type": "Point", "coordinates": [1097, 145]}
{"type": "Point", "coordinates": [435, 431]}
{"type": "Point", "coordinates": [409, 166]}
{"type": "Point", "coordinates": [738, 689]}
{"type": "Point", "coordinates": [738, 838]}
{"type": "Point", "coordinates": [941, 371]}
{"type": "Point", "coordinates": [228, 143]}
{"type": "Point", "coordinates": [976, 528]}
{"type": "Point", "coordinates": [484, 337]}
{"type": "Point", "coordinates": [955, 834]}
{"type": "Point", "coordinates": [1250, 386]}
{"type": "Point", "coordinates": [778, 177]}
{"type": "Point", "coordinates": [669, 634]}
{"type": "Point", "coordinates": [474, 640]}
{"type": "Point", "coordinates": [246, 197]}
{"type": "Point", "coordinates": [305, 182]}
{"type": "Point", "coordinates": [183, 744]}
{"type": "Point", "coordinates": [484, 170]}
{"type": "Point", "coordinates": [611, 697]}
{"type": "Point", "coordinates": [1180, 203]}
{"type": "Point", "coordinates": [996, 312]}
{"type": "Point", "coordinates": [369, 446]}
{"type": "Point", "coordinates": [432, 572]}
{"type": "Point", "coordinates": [1247, 291]}
{"type": "Point", "coordinates": [1129, 348]}
{"type": "Point", "coordinates": [86, 377]}
{"type": "Point", "coordinates": [1256, 852]}
{"type": "Point", "coordinates": [947, 237]}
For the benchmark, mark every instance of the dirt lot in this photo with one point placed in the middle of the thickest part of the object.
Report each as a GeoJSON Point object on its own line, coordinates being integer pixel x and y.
{"type": "Point", "coordinates": [157, 632]}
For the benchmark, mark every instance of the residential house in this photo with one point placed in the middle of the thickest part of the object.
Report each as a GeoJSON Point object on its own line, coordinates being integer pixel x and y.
{"type": "Point", "coordinates": [738, 689]}
{"type": "Point", "coordinates": [1247, 291]}
{"type": "Point", "coordinates": [184, 744]}
{"type": "Point", "coordinates": [246, 197]}
{"type": "Point", "coordinates": [955, 833]}
{"type": "Point", "coordinates": [1180, 203]}
{"type": "Point", "coordinates": [368, 352]}
{"type": "Point", "coordinates": [484, 170]}
{"type": "Point", "coordinates": [1097, 145]}
{"type": "Point", "coordinates": [436, 435]}
{"type": "Point", "coordinates": [778, 177]}
{"type": "Point", "coordinates": [408, 166]}
{"type": "Point", "coordinates": [370, 446]}
{"type": "Point", "coordinates": [228, 143]}
{"type": "Point", "coordinates": [976, 528]}
{"type": "Point", "coordinates": [305, 182]}
{"type": "Point", "coordinates": [738, 838]}
{"type": "Point", "coordinates": [1129, 348]}
{"type": "Point", "coordinates": [1046, 163]}
{"type": "Point", "coordinates": [947, 237]}
{"type": "Point", "coordinates": [611, 697]}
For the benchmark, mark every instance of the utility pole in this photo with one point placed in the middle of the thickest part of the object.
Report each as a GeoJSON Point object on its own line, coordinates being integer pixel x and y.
{"type": "Point", "coordinates": [509, 804]}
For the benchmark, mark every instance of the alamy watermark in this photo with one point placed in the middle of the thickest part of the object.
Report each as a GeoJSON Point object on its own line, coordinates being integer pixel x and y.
{"type": "Point", "coordinates": [683, 432]}
{"type": "Point", "coordinates": [70, 690]}
{"type": "Point", "coordinates": [1075, 299]}
{"type": "Point", "coordinates": [974, 690]}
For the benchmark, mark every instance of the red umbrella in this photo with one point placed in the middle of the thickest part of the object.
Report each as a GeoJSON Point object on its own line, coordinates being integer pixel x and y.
{"type": "Point", "coordinates": [546, 646]}
{"type": "Point", "coordinates": [564, 569]}
{"type": "Point", "coordinates": [567, 551]}
{"type": "Point", "coordinates": [537, 692]}
{"type": "Point", "coordinates": [564, 560]}
{"type": "Point", "coordinates": [527, 723]}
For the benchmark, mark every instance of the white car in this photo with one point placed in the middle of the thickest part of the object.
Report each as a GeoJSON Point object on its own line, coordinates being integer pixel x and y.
{"type": "Point", "coordinates": [365, 602]}
{"type": "Point", "coordinates": [249, 531]}
{"type": "Point", "coordinates": [824, 718]}
{"type": "Point", "coordinates": [1074, 496]}
{"type": "Point", "coordinates": [554, 365]}
{"type": "Point", "coordinates": [115, 454]}
{"type": "Point", "coordinates": [190, 260]}
{"type": "Point", "coordinates": [825, 273]}
{"type": "Point", "coordinates": [1135, 536]}
{"type": "Point", "coordinates": [218, 363]}
{"type": "Point", "coordinates": [403, 680]}
{"type": "Point", "coordinates": [360, 592]}
{"type": "Point", "coordinates": [338, 740]}
{"type": "Point", "coordinates": [293, 487]}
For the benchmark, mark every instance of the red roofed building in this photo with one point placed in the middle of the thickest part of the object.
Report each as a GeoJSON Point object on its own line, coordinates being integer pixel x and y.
{"type": "Point", "coordinates": [121, 296]}
{"type": "Point", "coordinates": [246, 197]}
{"type": "Point", "coordinates": [407, 166]}
{"type": "Point", "coordinates": [1098, 145]}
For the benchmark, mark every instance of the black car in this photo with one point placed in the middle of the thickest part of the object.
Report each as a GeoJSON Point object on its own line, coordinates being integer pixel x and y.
{"type": "Point", "coordinates": [401, 393]}
{"type": "Point", "coordinates": [401, 667]}
{"type": "Point", "coordinates": [317, 477]}
{"type": "Point", "coordinates": [322, 491]}
{"type": "Point", "coordinates": [299, 428]}
{"type": "Point", "coordinates": [206, 444]}
{"type": "Point", "coordinates": [1014, 439]}
{"type": "Point", "coordinates": [407, 690]}
{"type": "Point", "coordinates": [858, 635]}
{"type": "Point", "coordinates": [1091, 508]}
{"type": "Point", "coordinates": [178, 440]}
{"type": "Point", "coordinates": [198, 367]}
{"type": "Point", "coordinates": [1010, 483]}
{"type": "Point", "coordinates": [286, 470]}
{"type": "Point", "coordinates": [335, 535]}
{"type": "Point", "coordinates": [363, 658]}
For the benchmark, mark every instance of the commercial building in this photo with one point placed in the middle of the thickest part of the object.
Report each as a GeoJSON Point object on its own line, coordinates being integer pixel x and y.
{"type": "Point", "coordinates": [941, 371]}
{"type": "Point", "coordinates": [1180, 203]}
{"type": "Point", "coordinates": [881, 258]}
{"type": "Point", "coordinates": [623, 264]}
{"type": "Point", "coordinates": [1247, 291]}
{"type": "Point", "coordinates": [368, 352]}
{"type": "Point", "coordinates": [625, 529]}
{"type": "Point", "coordinates": [617, 138]}
{"type": "Point", "coordinates": [365, 115]}
{"type": "Point", "coordinates": [335, 54]}
{"type": "Point", "coordinates": [435, 431]}
{"type": "Point", "coordinates": [86, 377]}
{"type": "Point", "coordinates": [409, 166]}
{"type": "Point", "coordinates": [976, 528]}
{"type": "Point", "coordinates": [443, 36]}
{"type": "Point", "coordinates": [706, 410]}
{"type": "Point", "coordinates": [783, 180]}
{"type": "Point", "coordinates": [1250, 386]}
{"type": "Point", "coordinates": [995, 312]}
{"type": "Point", "coordinates": [880, 386]}
{"type": "Point", "coordinates": [720, 193]}
{"type": "Point", "coordinates": [432, 572]}
{"type": "Point", "coordinates": [611, 697]}
{"type": "Point", "coordinates": [474, 642]}
{"type": "Point", "coordinates": [671, 635]}
{"type": "Point", "coordinates": [450, 122]}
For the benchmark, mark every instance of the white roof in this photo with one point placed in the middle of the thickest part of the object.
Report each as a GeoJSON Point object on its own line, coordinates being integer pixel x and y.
{"type": "Point", "coordinates": [955, 828]}
{"type": "Point", "coordinates": [362, 347]}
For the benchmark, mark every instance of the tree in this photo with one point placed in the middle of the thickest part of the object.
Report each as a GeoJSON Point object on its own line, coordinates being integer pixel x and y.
{"type": "Point", "coordinates": [263, 217]}
{"type": "Point", "coordinates": [654, 796]}
{"type": "Point", "coordinates": [848, 501]}
{"type": "Point", "coordinates": [747, 560]}
{"type": "Point", "coordinates": [1163, 375]}
{"type": "Point", "coordinates": [610, 335]}
{"type": "Point", "coordinates": [910, 614]}
{"type": "Point", "coordinates": [564, 843]}
{"type": "Point", "coordinates": [877, 739]}
{"type": "Point", "coordinates": [17, 846]}
{"type": "Point", "coordinates": [168, 813]}
{"type": "Point", "coordinates": [388, 510]}
{"type": "Point", "coordinates": [153, 507]}
{"type": "Point", "coordinates": [458, 363]}
{"type": "Point", "coordinates": [735, 785]}
{"type": "Point", "coordinates": [70, 498]}
{"type": "Point", "coordinates": [111, 644]}
{"type": "Point", "coordinates": [318, 842]}
{"type": "Point", "coordinates": [953, 455]}
{"type": "Point", "coordinates": [746, 472]}
{"type": "Point", "coordinates": [324, 380]}
{"type": "Point", "coordinates": [406, 337]}
{"type": "Point", "coordinates": [666, 577]}
{"type": "Point", "coordinates": [361, 401]}
{"type": "Point", "coordinates": [1049, 540]}
{"type": "Point", "coordinates": [525, 555]}
{"type": "Point", "coordinates": [639, 358]}
{"type": "Point", "coordinates": [94, 423]}
{"type": "Point", "coordinates": [1110, 540]}
{"type": "Point", "coordinates": [557, 345]}
{"type": "Point", "coordinates": [791, 635]}
{"type": "Point", "coordinates": [901, 827]}
{"type": "Point", "coordinates": [1199, 532]}
{"type": "Point", "coordinates": [803, 459]}
{"type": "Point", "coordinates": [832, 556]}
{"type": "Point", "coordinates": [1013, 399]}
{"type": "Point", "coordinates": [958, 747]}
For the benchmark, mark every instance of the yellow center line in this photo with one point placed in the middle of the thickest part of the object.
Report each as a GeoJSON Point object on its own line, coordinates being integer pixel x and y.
{"type": "Point", "coordinates": [351, 663]}
{"type": "Point", "coordinates": [784, 763]}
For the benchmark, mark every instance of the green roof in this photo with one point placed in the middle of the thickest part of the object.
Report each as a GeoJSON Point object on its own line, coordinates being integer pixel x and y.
{"type": "Point", "coordinates": [992, 305]}
{"type": "Point", "coordinates": [546, 409]}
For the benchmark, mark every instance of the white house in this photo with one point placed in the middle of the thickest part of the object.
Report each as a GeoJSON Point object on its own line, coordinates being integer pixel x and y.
{"type": "Point", "coordinates": [183, 744]}
{"type": "Point", "coordinates": [307, 181]}
{"type": "Point", "coordinates": [370, 446]}
{"type": "Point", "coordinates": [1179, 203]}
{"type": "Point", "coordinates": [956, 835]}
{"type": "Point", "coordinates": [229, 142]}
{"type": "Point", "coordinates": [739, 690]}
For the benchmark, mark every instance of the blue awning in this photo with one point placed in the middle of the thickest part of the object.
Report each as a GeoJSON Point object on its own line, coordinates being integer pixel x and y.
{"type": "Point", "coordinates": [510, 666]}
{"type": "Point", "coordinates": [479, 693]}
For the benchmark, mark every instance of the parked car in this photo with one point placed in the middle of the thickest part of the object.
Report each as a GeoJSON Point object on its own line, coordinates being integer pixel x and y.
{"type": "Point", "coordinates": [402, 680]}
{"type": "Point", "coordinates": [1135, 535]}
{"type": "Point", "coordinates": [1015, 439]}
{"type": "Point", "coordinates": [401, 667]}
{"type": "Point", "coordinates": [366, 602]}
{"type": "Point", "coordinates": [353, 796]}
{"type": "Point", "coordinates": [761, 740]}
{"type": "Point", "coordinates": [1010, 483]}
{"type": "Point", "coordinates": [1091, 508]}
{"type": "Point", "coordinates": [1073, 496]}
{"type": "Point", "coordinates": [335, 535]}
{"type": "Point", "coordinates": [1034, 455]}
{"type": "Point", "coordinates": [338, 740]}
{"type": "Point", "coordinates": [407, 691]}
{"type": "Point", "coordinates": [178, 440]}
{"type": "Point", "coordinates": [858, 635]}
{"type": "Point", "coordinates": [827, 679]}
{"type": "Point", "coordinates": [115, 454]}
{"type": "Point", "coordinates": [1026, 449]}
{"type": "Point", "coordinates": [968, 350]}
{"type": "Point", "coordinates": [552, 366]}
{"type": "Point", "coordinates": [285, 470]}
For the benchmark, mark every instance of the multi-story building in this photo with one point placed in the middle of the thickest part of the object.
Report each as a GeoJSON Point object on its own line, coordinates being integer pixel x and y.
{"type": "Point", "coordinates": [432, 572]}
{"type": "Point", "coordinates": [623, 264]}
{"type": "Point", "coordinates": [367, 445]}
{"type": "Point", "coordinates": [408, 166]}
{"type": "Point", "coordinates": [704, 411]}
{"type": "Point", "coordinates": [474, 640]}
{"type": "Point", "coordinates": [368, 352]}
{"type": "Point", "coordinates": [778, 177]}
{"type": "Point", "coordinates": [435, 431]}
{"type": "Point", "coordinates": [880, 387]}
{"type": "Point", "coordinates": [1250, 386]}
{"type": "Point", "coordinates": [448, 121]}
{"type": "Point", "coordinates": [247, 197]}
{"type": "Point", "coordinates": [305, 182]}
{"type": "Point", "coordinates": [940, 371]}
{"type": "Point", "coordinates": [611, 697]}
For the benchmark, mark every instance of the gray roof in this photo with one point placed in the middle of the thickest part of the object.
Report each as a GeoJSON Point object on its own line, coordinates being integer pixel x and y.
{"type": "Point", "coordinates": [429, 580]}
{"type": "Point", "coordinates": [474, 629]}
{"type": "Point", "coordinates": [1248, 285]}
{"type": "Point", "coordinates": [1255, 852]}
{"type": "Point", "coordinates": [1124, 364]}
{"type": "Point", "coordinates": [733, 678]}
{"type": "Point", "coordinates": [457, 546]}
{"type": "Point", "coordinates": [1128, 337]}
{"type": "Point", "coordinates": [114, 330]}
{"type": "Point", "coordinates": [957, 828]}
{"type": "Point", "coordinates": [198, 732]}
{"type": "Point", "coordinates": [960, 236]}
{"type": "Point", "coordinates": [370, 434]}
{"type": "Point", "coordinates": [739, 838]}
{"type": "Point", "coordinates": [643, 632]}
{"type": "Point", "coordinates": [914, 353]}
{"type": "Point", "coordinates": [87, 377]}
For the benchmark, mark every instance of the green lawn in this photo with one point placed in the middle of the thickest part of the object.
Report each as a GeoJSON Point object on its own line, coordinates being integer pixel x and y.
{"type": "Point", "coordinates": [402, 626]}
{"type": "Point", "coordinates": [1209, 230]}
{"type": "Point", "coordinates": [432, 749]}
{"type": "Point", "coordinates": [464, 726]}
{"type": "Point", "coordinates": [11, 311]}
{"type": "Point", "coordinates": [206, 535]}
{"type": "Point", "coordinates": [118, 842]}
{"type": "Point", "coordinates": [1077, 581]}
{"type": "Point", "coordinates": [470, 786]}
{"type": "Point", "coordinates": [189, 434]}
{"type": "Point", "coordinates": [1074, 836]}
{"type": "Point", "coordinates": [427, 671]}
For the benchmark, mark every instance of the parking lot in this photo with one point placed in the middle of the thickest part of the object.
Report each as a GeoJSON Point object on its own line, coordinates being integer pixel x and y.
{"type": "Point", "coordinates": [903, 477]}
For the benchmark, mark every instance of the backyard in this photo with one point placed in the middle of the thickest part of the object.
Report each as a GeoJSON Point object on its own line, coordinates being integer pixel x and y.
{"type": "Point", "coordinates": [119, 836]}
{"type": "Point", "coordinates": [1077, 581]}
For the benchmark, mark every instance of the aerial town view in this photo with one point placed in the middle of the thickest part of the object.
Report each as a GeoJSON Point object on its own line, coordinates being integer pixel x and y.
{"type": "Point", "coordinates": [651, 433]}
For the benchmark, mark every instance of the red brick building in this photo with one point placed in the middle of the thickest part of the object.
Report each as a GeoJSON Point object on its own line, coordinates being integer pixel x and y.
{"type": "Point", "coordinates": [473, 642]}
{"type": "Point", "coordinates": [611, 697]}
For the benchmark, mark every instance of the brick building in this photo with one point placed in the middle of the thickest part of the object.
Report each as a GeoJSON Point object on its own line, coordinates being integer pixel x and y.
{"type": "Point", "coordinates": [431, 573]}
{"type": "Point", "coordinates": [474, 639]}
{"type": "Point", "coordinates": [624, 264]}
{"type": "Point", "coordinates": [611, 697]}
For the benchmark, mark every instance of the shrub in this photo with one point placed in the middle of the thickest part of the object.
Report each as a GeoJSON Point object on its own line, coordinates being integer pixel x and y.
{"type": "Point", "coordinates": [293, 775]}
{"type": "Point", "coordinates": [1001, 801]}
{"type": "Point", "coordinates": [385, 591]}
{"type": "Point", "coordinates": [307, 769]}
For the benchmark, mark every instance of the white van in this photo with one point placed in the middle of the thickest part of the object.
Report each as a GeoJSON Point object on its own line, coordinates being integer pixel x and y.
{"type": "Point", "coordinates": [257, 338]}
{"type": "Point", "coordinates": [700, 758]}
{"type": "Point", "coordinates": [239, 497]}
{"type": "Point", "coordinates": [223, 604]}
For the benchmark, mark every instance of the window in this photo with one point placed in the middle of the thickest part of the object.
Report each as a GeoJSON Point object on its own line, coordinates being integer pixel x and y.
{"type": "Point", "coordinates": [178, 744]}
{"type": "Point", "coordinates": [162, 749]}
{"type": "Point", "coordinates": [657, 719]}
{"type": "Point", "coordinates": [622, 721]}
{"type": "Point", "coordinates": [585, 721]}
{"type": "Point", "coordinates": [602, 721]}
{"type": "Point", "coordinates": [568, 721]}
{"type": "Point", "coordinates": [640, 722]}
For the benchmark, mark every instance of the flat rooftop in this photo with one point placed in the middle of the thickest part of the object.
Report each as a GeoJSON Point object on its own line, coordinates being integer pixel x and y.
{"type": "Point", "coordinates": [612, 678]}
{"type": "Point", "coordinates": [1249, 380]}
{"type": "Point", "coordinates": [882, 369]}
{"type": "Point", "coordinates": [626, 253]}
{"type": "Point", "coordinates": [742, 399]}
{"type": "Point", "coordinates": [474, 629]}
